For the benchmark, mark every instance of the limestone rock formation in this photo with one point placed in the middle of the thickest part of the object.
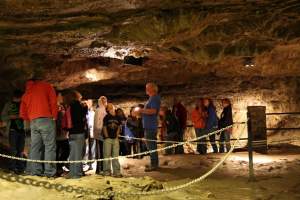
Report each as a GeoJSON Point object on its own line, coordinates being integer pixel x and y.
{"type": "Point", "coordinates": [246, 50]}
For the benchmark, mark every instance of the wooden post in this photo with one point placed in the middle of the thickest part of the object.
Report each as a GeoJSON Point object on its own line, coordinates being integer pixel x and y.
{"type": "Point", "coordinates": [256, 132]}
{"type": "Point", "coordinates": [250, 149]}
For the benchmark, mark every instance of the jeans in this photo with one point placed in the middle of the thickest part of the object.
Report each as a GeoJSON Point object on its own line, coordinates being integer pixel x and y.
{"type": "Point", "coordinates": [89, 154]}
{"type": "Point", "coordinates": [62, 153]}
{"type": "Point", "coordinates": [201, 146]}
{"type": "Point", "coordinates": [212, 139]}
{"type": "Point", "coordinates": [111, 149]}
{"type": "Point", "coordinates": [173, 136]}
{"type": "Point", "coordinates": [179, 149]}
{"type": "Point", "coordinates": [43, 145]}
{"type": "Point", "coordinates": [152, 135]}
{"type": "Point", "coordinates": [225, 139]}
{"type": "Point", "coordinates": [17, 144]}
{"type": "Point", "coordinates": [92, 150]}
{"type": "Point", "coordinates": [99, 155]}
{"type": "Point", "coordinates": [76, 142]}
{"type": "Point", "coordinates": [124, 147]}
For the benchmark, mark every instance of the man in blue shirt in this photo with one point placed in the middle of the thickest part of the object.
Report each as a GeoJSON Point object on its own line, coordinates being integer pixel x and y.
{"type": "Point", "coordinates": [150, 122]}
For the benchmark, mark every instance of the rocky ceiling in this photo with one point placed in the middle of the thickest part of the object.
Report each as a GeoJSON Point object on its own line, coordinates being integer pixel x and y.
{"type": "Point", "coordinates": [124, 43]}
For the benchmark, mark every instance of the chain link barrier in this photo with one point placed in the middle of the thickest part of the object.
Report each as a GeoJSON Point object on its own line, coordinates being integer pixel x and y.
{"type": "Point", "coordinates": [114, 158]}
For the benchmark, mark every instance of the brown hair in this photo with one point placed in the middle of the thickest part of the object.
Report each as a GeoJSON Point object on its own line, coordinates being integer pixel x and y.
{"type": "Point", "coordinates": [72, 95]}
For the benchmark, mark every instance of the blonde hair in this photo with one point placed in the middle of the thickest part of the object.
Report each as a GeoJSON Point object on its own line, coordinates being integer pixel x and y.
{"type": "Point", "coordinates": [100, 100]}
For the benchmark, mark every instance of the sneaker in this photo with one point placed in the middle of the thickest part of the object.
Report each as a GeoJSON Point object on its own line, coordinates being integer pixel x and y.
{"type": "Point", "coordinates": [106, 174]}
{"type": "Point", "coordinates": [117, 175]}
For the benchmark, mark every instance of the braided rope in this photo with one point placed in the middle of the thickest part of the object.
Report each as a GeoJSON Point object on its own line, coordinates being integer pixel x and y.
{"type": "Point", "coordinates": [114, 158]}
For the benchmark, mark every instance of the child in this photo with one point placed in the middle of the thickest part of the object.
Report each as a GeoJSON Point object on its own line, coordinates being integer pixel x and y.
{"type": "Point", "coordinates": [111, 132]}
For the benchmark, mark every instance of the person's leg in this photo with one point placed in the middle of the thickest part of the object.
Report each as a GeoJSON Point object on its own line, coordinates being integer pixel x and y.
{"type": "Point", "coordinates": [203, 146]}
{"type": "Point", "coordinates": [212, 139]}
{"type": "Point", "coordinates": [36, 148]}
{"type": "Point", "coordinates": [13, 149]}
{"type": "Point", "coordinates": [221, 142]}
{"type": "Point", "coordinates": [76, 146]}
{"type": "Point", "coordinates": [115, 153]}
{"type": "Point", "coordinates": [170, 137]}
{"type": "Point", "coordinates": [97, 156]}
{"type": "Point", "coordinates": [72, 144]}
{"type": "Point", "coordinates": [179, 149]}
{"type": "Point", "coordinates": [65, 151]}
{"type": "Point", "coordinates": [47, 129]}
{"type": "Point", "coordinates": [151, 135]}
{"type": "Point", "coordinates": [198, 134]}
{"type": "Point", "coordinates": [227, 139]}
{"type": "Point", "coordinates": [20, 149]}
{"type": "Point", "coordinates": [92, 151]}
{"type": "Point", "coordinates": [80, 141]}
{"type": "Point", "coordinates": [107, 151]}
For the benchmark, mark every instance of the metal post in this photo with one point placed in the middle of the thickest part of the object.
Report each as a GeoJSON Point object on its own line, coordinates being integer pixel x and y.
{"type": "Point", "coordinates": [250, 149]}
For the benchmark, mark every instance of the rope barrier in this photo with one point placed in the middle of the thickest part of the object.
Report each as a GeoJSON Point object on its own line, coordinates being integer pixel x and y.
{"type": "Point", "coordinates": [179, 187]}
{"type": "Point", "coordinates": [114, 158]}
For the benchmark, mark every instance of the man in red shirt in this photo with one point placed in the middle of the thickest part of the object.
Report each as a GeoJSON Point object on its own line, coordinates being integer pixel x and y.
{"type": "Point", "coordinates": [39, 106]}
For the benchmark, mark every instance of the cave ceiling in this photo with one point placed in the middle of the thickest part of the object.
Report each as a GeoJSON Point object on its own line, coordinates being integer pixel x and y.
{"type": "Point", "coordinates": [128, 42]}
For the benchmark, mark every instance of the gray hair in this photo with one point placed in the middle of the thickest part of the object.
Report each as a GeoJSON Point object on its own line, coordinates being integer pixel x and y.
{"type": "Point", "coordinates": [153, 86]}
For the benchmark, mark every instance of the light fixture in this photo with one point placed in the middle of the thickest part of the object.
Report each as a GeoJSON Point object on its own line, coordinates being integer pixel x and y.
{"type": "Point", "coordinates": [249, 62]}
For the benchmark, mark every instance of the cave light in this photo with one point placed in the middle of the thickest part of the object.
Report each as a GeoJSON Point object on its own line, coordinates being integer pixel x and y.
{"type": "Point", "coordinates": [257, 159]}
{"type": "Point", "coordinates": [94, 75]}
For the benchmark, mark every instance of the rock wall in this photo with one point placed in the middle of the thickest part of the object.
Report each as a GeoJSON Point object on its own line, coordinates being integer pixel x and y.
{"type": "Point", "coordinates": [278, 94]}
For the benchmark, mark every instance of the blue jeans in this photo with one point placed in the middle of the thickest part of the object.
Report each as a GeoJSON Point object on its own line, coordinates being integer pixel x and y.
{"type": "Point", "coordinates": [179, 149]}
{"type": "Point", "coordinates": [173, 136]}
{"type": "Point", "coordinates": [225, 139]}
{"type": "Point", "coordinates": [17, 143]}
{"type": "Point", "coordinates": [43, 145]}
{"type": "Point", "coordinates": [111, 148]}
{"type": "Point", "coordinates": [76, 142]}
{"type": "Point", "coordinates": [212, 139]}
{"type": "Point", "coordinates": [152, 135]}
{"type": "Point", "coordinates": [201, 146]}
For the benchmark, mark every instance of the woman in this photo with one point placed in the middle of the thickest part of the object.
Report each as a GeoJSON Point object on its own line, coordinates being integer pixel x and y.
{"type": "Point", "coordinates": [62, 135]}
{"type": "Point", "coordinates": [132, 130]}
{"type": "Point", "coordinates": [211, 124]}
{"type": "Point", "coordinates": [198, 117]}
{"type": "Point", "coordinates": [124, 146]}
{"type": "Point", "coordinates": [172, 127]}
{"type": "Point", "coordinates": [100, 113]}
{"type": "Point", "coordinates": [77, 113]}
{"type": "Point", "coordinates": [225, 120]}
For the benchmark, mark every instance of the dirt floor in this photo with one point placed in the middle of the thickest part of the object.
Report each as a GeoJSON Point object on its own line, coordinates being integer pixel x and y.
{"type": "Point", "coordinates": [277, 177]}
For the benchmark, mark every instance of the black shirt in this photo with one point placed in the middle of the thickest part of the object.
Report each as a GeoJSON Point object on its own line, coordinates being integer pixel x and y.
{"type": "Point", "coordinates": [112, 124]}
{"type": "Point", "coordinates": [78, 117]}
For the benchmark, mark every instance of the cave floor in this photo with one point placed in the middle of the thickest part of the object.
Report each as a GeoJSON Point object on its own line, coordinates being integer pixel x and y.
{"type": "Point", "coordinates": [277, 177]}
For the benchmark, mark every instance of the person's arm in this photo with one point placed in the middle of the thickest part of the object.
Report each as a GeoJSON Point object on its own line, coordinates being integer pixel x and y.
{"type": "Point", "coordinates": [53, 102]}
{"type": "Point", "coordinates": [118, 131]}
{"type": "Point", "coordinates": [23, 109]}
{"type": "Point", "coordinates": [105, 134]}
{"type": "Point", "coordinates": [148, 111]}
{"type": "Point", "coordinates": [4, 113]}
{"type": "Point", "coordinates": [153, 108]}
